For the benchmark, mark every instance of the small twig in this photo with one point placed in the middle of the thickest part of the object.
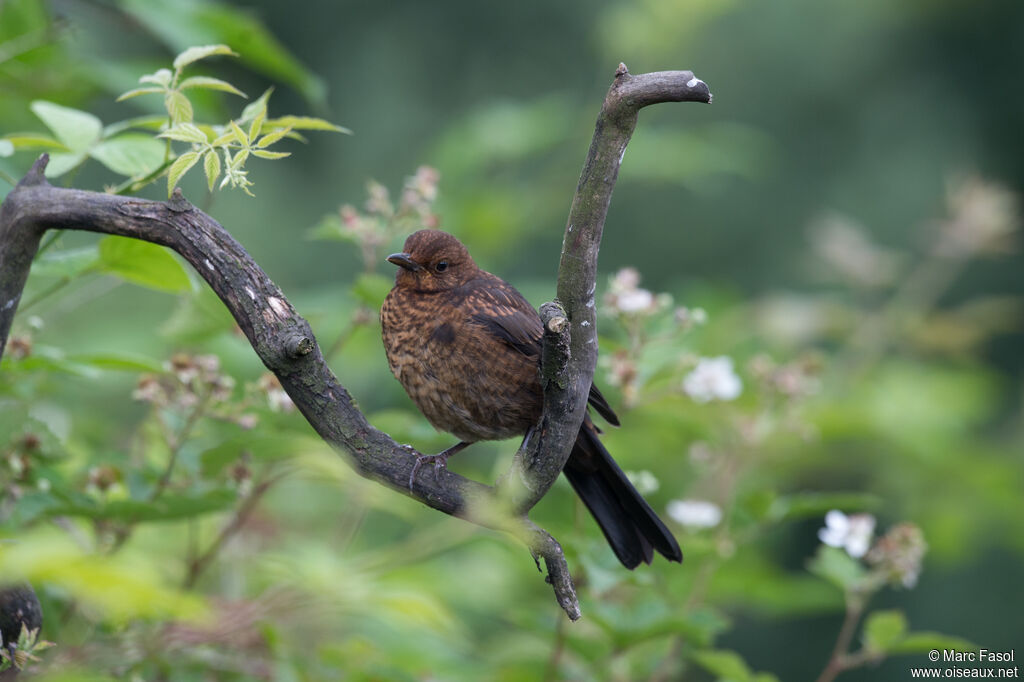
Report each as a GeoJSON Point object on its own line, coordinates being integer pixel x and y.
{"type": "Point", "coordinates": [201, 562]}
{"type": "Point", "coordinates": [836, 662]}
{"type": "Point", "coordinates": [175, 443]}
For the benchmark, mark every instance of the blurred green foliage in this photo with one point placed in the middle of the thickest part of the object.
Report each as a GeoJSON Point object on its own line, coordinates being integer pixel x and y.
{"type": "Point", "coordinates": [838, 224]}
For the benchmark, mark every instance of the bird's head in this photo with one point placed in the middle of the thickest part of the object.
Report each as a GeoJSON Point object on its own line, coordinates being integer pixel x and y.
{"type": "Point", "coordinates": [433, 260]}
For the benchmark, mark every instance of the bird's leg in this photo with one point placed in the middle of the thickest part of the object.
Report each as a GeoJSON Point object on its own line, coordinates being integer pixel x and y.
{"type": "Point", "coordinates": [440, 460]}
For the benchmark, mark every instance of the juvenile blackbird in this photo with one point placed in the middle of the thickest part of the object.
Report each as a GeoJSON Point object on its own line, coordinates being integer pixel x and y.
{"type": "Point", "coordinates": [466, 347]}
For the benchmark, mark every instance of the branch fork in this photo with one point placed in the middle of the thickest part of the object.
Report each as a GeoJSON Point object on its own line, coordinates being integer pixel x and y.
{"type": "Point", "coordinates": [285, 342]}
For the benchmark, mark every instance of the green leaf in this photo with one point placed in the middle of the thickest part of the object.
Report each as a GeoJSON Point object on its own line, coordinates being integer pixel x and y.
{"type": "Point", "coordinates": [150, 123]}
{"type": "Point", "coordinates": [837, 567]}
{"type": "Point", "coordinates": [372, 288]}
{"type": "Point", "coordinates": [61, 163]}
{"type": "Point", "coordinates": [257, 446]}
{"type": "Point", "coordinates": [185, 132]}
{"type": "Point", "coordinates": [166, 508]}
{"type": "Point", "coordinates": [207, 83]}
{"type": "Point", "coordinates": [306, 123]}
{"type": "Point", "coordinates": [240, 135]}
{"type": "Point", "coordinates": [163, 77]}
{"type": "Point", "coordinates": [807, 505]}
{"type": "Point", "coordinates": [178, 107]}
{"type": "Point", "coordinates": [255, 108]}
{"type": "Point", "coordinates": [198, 317]}
{"type": "Point", "coordinates": [273, 137]}
{"type": "Point", "coordinates": [30, 141]}
{"type": "Point", "coordinates": [123, 362]}
{"type": "Point", "coordinates": [921, 642]}
{"type": "Point", "coordinates": [725, 665]}
{"type": "Point", "coordinates": [78, 130]}
{"type": "Point", "coordinates": [883, 629]}
{"type": "Point", "coordinates": [139, 91]}
{"type": "Point", "coordinates": [211, 166]}
{"type": "Point", "coordinates": [131, 154]}
{"type": "Point", "coordinates": [65, 262]}
{"type": "Point", "coordinates": [6, 147]}
{"type": "Point", "coordinates": [120, 588]}
{"type": "Point", "coordinates": [179, 168]}
{"type": "Point", "coordinates": [264, 154]}
{"type": "Point", "coordinates": [194, 54]}
{"type": "Point", "coordinates": [142, 263]}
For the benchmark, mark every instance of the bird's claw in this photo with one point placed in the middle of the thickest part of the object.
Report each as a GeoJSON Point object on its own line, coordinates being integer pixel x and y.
{"type": "Point", "coordinates": [440, 462]}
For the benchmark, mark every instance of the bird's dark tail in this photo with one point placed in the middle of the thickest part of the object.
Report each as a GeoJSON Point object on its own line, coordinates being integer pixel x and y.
{"type": "Point", "coordinates": [632, 528]}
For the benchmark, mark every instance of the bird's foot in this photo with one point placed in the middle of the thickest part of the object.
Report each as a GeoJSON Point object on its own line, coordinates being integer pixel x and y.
{"type": "Point", "coordinates": [440, 461]}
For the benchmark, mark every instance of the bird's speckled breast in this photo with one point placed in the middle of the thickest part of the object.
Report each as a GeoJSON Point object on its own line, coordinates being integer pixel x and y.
{"type": "Point", "coordinates": [464, 380]}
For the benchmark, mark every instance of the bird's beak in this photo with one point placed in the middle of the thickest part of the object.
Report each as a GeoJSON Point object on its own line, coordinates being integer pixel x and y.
{"type": "Point", "coordinates": [404, 260]}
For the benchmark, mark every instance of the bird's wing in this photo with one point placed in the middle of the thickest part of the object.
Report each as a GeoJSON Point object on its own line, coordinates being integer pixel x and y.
{"type": "Point", "coordinates": [504, 313]}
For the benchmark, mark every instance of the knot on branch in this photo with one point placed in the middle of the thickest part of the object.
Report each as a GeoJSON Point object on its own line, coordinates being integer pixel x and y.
{"type": "Point", "coordinates": [555, 356]}
{"type": "Point", "coordinates": [298, 345]}
{"type": "Point", "coordinates": [178, 203]}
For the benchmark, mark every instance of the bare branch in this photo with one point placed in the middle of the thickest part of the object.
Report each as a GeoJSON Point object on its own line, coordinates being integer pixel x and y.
{"type": "Point", "coordinates": [568, 371]}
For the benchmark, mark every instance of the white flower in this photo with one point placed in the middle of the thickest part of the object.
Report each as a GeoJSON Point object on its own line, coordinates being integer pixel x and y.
{"type": "Point", "coordinates": [853, 533]}
{"type": "Point", "coordinates": [635, 300]}
{"type": "Point", "coordinates": [713, 379]}
{"type": "Point", "coordinates": [644, 481]}
{"type": "Point", "coordinates": [695, 513]}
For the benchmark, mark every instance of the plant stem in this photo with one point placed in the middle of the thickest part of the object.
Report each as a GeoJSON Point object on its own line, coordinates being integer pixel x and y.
{"type": "Point", "coordinates": [200, 563]}
{"type": "Point", "coordinates": [837, 661]}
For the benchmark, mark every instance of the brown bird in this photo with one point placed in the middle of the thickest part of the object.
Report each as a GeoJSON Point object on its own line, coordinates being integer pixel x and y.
{"type": "Point", "coordinates": [466, 347]}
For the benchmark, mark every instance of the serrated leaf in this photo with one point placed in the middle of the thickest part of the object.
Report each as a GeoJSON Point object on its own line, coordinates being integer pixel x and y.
{"type": "Point", "coordinates": [29, 141]}
{"type": "Point", "coordinates": [306, 123]}
{"type": "Point", "coordinates": [239, 134]}
{"type": "Point", "coordinates": [239, 159]}
{"type": "Point", "coordinates": [263, 154]}
{"type": "Point", "coordinates": [139, 91]}
{"type": "Point", "coordinates": [161, 77]}
{"type": "Point", "coordinates": [211, 166]}
{"type": "Point", "coordinates": [883, 629]}
{"type": "Point", "coordinates": [142, 263]}
{"type": "Point", "coordinates": [178, 107]}
{"type": "Point", "coordinates": [185, 132]}
{"type": "Point", "coordinates": [207, 83]}
{"type": "Point", "coordinates": [271, 138]}
{"type": "Point", "coordinates": [255, 108]}
{"type": "Point", "coordinates": [224, 139]}
{"type": "Point", "coordinates": [180, 166]}
{"type": "Point", "coordinates": [837, 567]}
{"type": "Point", "coordinates": [256, 125]}
{"type": "Point", "coordinates": [194, 54]}
{"type": "Point", "coordinates": [131, 154]}
{"type": "Point", "coordinates": [76, 129]}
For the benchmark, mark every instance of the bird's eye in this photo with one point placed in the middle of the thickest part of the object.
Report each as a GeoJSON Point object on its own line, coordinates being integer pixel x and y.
{"type": "Point", "coordinates": [441, 266]}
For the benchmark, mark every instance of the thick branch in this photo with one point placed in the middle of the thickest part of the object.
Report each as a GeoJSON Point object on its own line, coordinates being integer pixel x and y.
{"type": "Point", "coordinates": [570, 353]}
